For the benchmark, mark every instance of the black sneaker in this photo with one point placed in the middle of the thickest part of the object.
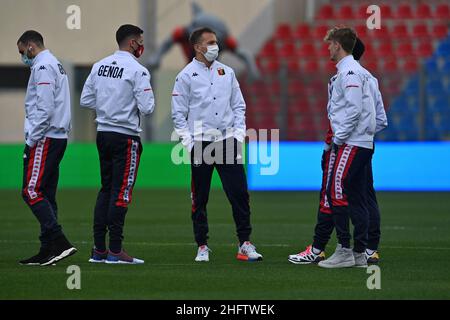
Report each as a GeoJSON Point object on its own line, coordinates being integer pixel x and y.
{"type": "Point", "coordinates": [36, 260]}
{"type": "Point", "coordinates": [61, 249]}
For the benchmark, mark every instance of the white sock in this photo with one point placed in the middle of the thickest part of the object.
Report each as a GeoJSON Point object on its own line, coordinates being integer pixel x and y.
{"type": "Point", "coordinates": [316, 251]}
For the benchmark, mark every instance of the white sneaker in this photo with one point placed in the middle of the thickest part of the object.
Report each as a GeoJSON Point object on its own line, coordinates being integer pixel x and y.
{"type": "Point", "coordinates": [306, 257]}
{"type": "Point", "coordinates": [203, 253]}
{"type": "Point", "coordinates": [360, 259]}
{"type": "Point", "coordinates": [247, 252]}
{"type": "Point", "coordinates": [341, 258]}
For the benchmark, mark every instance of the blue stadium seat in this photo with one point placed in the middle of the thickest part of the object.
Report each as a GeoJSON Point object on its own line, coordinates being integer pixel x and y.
{"type": "Point", "coordinates": [438, 103]}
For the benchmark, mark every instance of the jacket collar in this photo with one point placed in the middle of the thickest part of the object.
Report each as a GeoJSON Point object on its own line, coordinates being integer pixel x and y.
{"type": "Point", "coordinates": [40, 56]}
{"type": "Point", "coordinates": [201, 64]}
{"type": "Point", "coordinates": [124, 54]}
{"type": "Point", "coordinates": [345, 63]}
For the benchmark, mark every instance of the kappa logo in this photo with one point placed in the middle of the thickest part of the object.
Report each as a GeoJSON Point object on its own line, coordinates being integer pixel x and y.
{"type": "Point", "coordinates": [144, 74]}
{"type": "Point", "coordinates": [350, 73]}
{"type": "Point", "coordinates": [42, 68]}
{"type": "Point", "coordinates": [195, 74]}
{"type": "Point", "coordinates": [114, 62]}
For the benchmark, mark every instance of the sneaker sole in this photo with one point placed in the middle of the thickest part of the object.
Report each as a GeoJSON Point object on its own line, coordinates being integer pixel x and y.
{"type": "Point", "coordinates": [63, 255]}
{"type": "Point", "coordinates": [122, 262]}
{"type": "Point", "coordinates": [242, 257]}
{"type": "Point", "coordinates": [30, 264]}
{"type": "Point", "coordinates": [336, 266]}
{"type": "Point", "coordinates": [300, 262]}
{"type": "Point", "coordinates": [97, 261]}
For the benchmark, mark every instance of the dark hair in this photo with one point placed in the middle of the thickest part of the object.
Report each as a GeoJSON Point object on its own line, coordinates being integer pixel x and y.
{"type": "Point", "coordinates": [346, 37]}
{"type": "Point", "coordinates": [125, 31]}
{"type": "Point", "coordinates": [197, 34]}
{"type": "Point", "coordinates": [31, 36]}
{"type": "Point", "coordinates": [359, 49]}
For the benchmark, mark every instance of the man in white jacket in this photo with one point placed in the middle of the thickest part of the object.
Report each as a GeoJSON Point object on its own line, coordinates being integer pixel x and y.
{"type": "Point", "coordinates": [352, 114]}
{"type": "Point", "coordinates": [315, 252]}
{"type": "Point", "coordinates": [118, 89]}
{"type": "Point", "coordinates": [208, 112]}
{"type": "Point", "coordinates": [47, 124]}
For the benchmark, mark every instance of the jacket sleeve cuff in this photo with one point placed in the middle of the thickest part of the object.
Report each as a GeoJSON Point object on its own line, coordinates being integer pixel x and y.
{"type": "Point", "coordinates": [337, 141]}
{"type": "Point", "coordinates": [239, 135]}
{"type": "Point", "coordinates": [326, 147]}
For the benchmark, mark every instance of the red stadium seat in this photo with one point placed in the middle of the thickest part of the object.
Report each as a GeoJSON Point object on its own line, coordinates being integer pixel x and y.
{"type": "Point", "coordinates": [361, 31]}
{"type": "Point", "coordinates": [420, 31]}
{"type": "Point", "coordinates": [345, 12]}
{"type": "Point", "coordinates": [295, 88]}
{"type": "Point", "coordinates": [390, 64]}
{"type": "Point", "coordinates": [311, 66]}
{"type": "Point", "coordinates": [382, 34]}
{"type": "Point", "coordinates": [400, 31]}
{"type": "Point", "coordinates": [405, 49]}
{"type": "Point", "coordinates": [404, 11]}
{"type": "Point", "coordinates": [371, 65]}
{"type": "Point", "coordinates": [302, 31]}
{"type": "Point", "coordinates": [288, 50]}
{"type": "Point", "coordinates": [385, 49]}
{"type": "Point", "coordinates": [425, 49]}
{"type": "Point", "coordinates": [283, 32]}
{"type": "Point", "coordinates": [272, 66]}
{"type": "Point", "coordinates": [423, 11]}
{"type": "Point", "coordinates": [325, 12]}
{"type": "Point", "coordinates": [269, 50]}
{"type": "Point", "coordinates": [439, 31]}
{"type": "Point", "coordinates": [307, 49]}
{"type": "Point", "coordinates": [442, 11]}
{"type": "Point", "coordinates": [386, 11]}
{"type": "Point", "coordinates": [293, 67]}
{"type": "Point", "coordinates": [320, 31]}
{"type": "Point", "coordinates": [410, 65]}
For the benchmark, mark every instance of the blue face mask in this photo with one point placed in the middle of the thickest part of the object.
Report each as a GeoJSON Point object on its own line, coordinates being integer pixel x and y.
{"type": "Point", "coordinates": [27, 61]}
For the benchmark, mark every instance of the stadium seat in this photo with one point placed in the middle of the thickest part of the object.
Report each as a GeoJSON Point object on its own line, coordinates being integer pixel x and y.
{"type": "Point", "coordinates": [293, 67]}
{"type": "Point", "coordinates": [385, 49]}
{"type": "Point", "coordinates": [420, 31]}
{"type": "Point", "coordinates": [288, 50]}
{"type": "Point", "coordinates": [306, 50]}
{"type": "Point", "coordinates": [272, 66]}
{"type": "Point", "coordinates": [311, 66]}
{"type": "Point", "coordinates": [283, 32]}
{"type": "Point", "coordinates": [269, 50]}
{"type": "Point", "coordinates": [400, 31]}
{"type": "Point", "coordinates": [302, 31]}
{"type": "Point", "coordinates": [410, 65]}
{"type": "Point", "coordinates": [386, 11]}
{"type": "Point", "coordinates": [424, 49]}
{"type": "Point", "coordinates": [404, 11]}
{"type": "Point", "coordinates": [431, 66]}
{"type": "Point", "coordinates": [383, 34]}
{"type": "Point", "coordinates": [439, 31]}
{"type": "Point", "coordinates": [390, 64]}
{"type": "Point", "coordinates": [444, 49]}
{"type": "Point", "coordinates": [442, 11]}
{"type": "Point", "coordinates": [319, 32]}
{"type": "Point", "coordinates": [423, 11]}
{"type": "Point", "coordinates": [405, 49]}
{"type": "Point", "coordinates": [345, 12]}
{"type": "Point", "coordinates": [361, 31]}
{"type": "Point", "coordinates": [325, 12]}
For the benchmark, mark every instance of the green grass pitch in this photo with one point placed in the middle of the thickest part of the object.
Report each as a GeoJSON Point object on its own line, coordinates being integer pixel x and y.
{"type": "Point", "coordinates": [415, 250]}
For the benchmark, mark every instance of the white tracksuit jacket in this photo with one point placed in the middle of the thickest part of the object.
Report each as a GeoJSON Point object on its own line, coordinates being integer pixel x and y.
{"type": "Point", "coordinates": [47, 101]}
{"type": "Point", "coordinates": [351, 105]}
{"type": "Point", "coordinates": [119, 90]}
{"type": "Point", "coordinates": [207, 104]}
